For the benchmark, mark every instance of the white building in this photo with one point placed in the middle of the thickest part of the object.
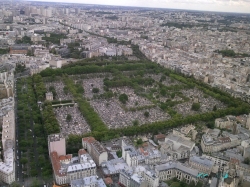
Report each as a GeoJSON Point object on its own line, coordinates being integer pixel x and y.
{"type": "Point", "coordinates": [67, 168]}
{"type": "Point", "coordinates": [177, 147]}
{"type": "Point", "coordinates": [139, 177]}
{"type": "Point", "coordinates": [7, 166]}
{"type": "Point", "coordinates": [92, 181]}
{"type": "Point", "coordinates": [211, 142]}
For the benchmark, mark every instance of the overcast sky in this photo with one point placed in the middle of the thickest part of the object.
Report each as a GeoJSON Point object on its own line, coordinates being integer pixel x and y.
{"type": "Point", "coordinates": [210, 5]}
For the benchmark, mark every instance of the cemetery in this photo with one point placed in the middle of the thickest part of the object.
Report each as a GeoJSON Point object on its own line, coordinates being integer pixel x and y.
{"type": "Point", "coordinates": [128, 95]}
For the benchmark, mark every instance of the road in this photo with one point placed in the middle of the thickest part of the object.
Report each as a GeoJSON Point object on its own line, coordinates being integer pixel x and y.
{"type": "Point", "coordinates": [18, 169]}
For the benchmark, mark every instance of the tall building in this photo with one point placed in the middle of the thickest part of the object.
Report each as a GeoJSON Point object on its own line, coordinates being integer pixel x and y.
{"type": "Point", "coordinates": [95, 149]}
{"type": "Point", "coordinates": [56, 143]}
{"type": "Point", "coordinates": [66, 167]}
{"type": "Point", "coordinates": [7, 166]}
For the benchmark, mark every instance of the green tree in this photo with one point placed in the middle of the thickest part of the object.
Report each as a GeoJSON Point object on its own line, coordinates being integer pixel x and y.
{"type": "Point", "coordinates": [4, 51]}
{"type": "Point", "coordinates": [146, 114]}
{"type": "Point", "coordinates": [199, 184]}
{"type": "Point", "coordinates": [175, 184]}
{"type": "Point", "coordinates": [119, 153]}
{"type": "Point", "coordinates": [247, 160]}
{"type": "Point", "coordinates": [24, 160]}
{"type": "Point", "coordinates": [35, 183]}
{"type": "Point", "coordinates": [227, 52]}
{"type": "Point", "coordinates": [65, 90]}
{"type": "Point", "coordinates": [214, 108]}
{"type": "Point", "coordinates": [136, 122]}
{"type": "Point", "coordinates": [95, 90]}
{"type": "Point", "coordinates": [139, 142]}
{"type": "Point", "coordinates": [210, 125]}
{"type": "Point", "coordinates": [195, 106]}
{"type": "Point", "coordinates": [163, 78]}
{"type": "Point", "coordinates": [123, 98]}
{"type": "Point", "coordinates": [172, 95]}
{"type": "Point", "coordinates": [15, 184]}
{"type": "Point", "coordinates": [68, 118]}
{"type": "Point", "coordinates": [53, 50]}
{"type": "Point", "coordinates": [163, 91]}
{"type": "Point", "coordinates": [30, 53]}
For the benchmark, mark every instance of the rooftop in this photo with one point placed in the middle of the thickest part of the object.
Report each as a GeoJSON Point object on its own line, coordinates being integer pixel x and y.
{"type": "Point", "coordinates": [64, 164]}
{"type": "Point", "coordinates": [7, 166]}
{"type": "Point", "coordinates": [55, 137]}
{"type": "Point", "coordinates": [202, 161]}
{"type": "Point", "coordinates": [180, 140]}
{"type": "Point", "coordinates": [176, 165]}
{"type": "Point", "coordinates": [98, 147]}
{"type": "Point", "coordinates": [88, 181]}
{"type": "Point", "coordinates": [88, 139]}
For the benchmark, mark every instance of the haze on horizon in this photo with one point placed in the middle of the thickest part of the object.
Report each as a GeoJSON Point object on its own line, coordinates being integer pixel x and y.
{"type": "Point", "coordinates": [239, 6]}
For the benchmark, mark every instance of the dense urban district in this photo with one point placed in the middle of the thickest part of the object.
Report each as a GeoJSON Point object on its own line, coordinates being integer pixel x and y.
{"type": "Point", "coordinates": [96, 96]}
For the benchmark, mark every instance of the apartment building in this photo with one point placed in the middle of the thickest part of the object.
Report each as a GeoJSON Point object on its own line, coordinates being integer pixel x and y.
{"type": "Point", "coordinates": [178, 147]}
{"type": "Point", "coordinates": [98, 152]}
{"type": "Point", "coordinates": [7, 166]}
{"type": "Point", "coordinates": [57, 143]}
{"type": "Point", "coordinates": [67, 168]}
{"type": "Point", "coordinates": [202, 164]}
{"type": "Point", "coordinates": [95, 149]}
{"type": "Point", "coordinates": [176, 169]}
{"type": "Point", "coordinates": [92, 181]}
{"type": "Point", "coordinates": [138, 177]}
{"type": "Point", "coordinates": [211, 142]}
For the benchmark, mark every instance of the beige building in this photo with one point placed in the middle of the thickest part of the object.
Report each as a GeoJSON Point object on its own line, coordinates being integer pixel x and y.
{"type": "Point", "coordinates": [95, 149]}
{"type": "Point", "coordinates": [217, 163]}
{"type": "Point", "coordinates": [176, 146]}
{"type": "Point", "coordinates": [7, 166]}
{"type": "Point", "coordinates": [174, 169]}
{"type": "Point", "coordinates": [202, 164]}
{"type": "Point", "coordinates": [225, 123]}
{"type": "Point", "coordinates": [211, 142]}
{"type": "Point", "coordinates": [57, 143]}
{"type": "Point", "coordinates": [49, 96]}
{"type": "Point", "coordinates": [67, 168]}
{"type": "Point", "coordinates": [98, 152]}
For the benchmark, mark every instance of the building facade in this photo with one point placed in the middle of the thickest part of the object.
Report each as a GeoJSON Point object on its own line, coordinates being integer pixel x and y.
{"type": "Point", "coordinates": [176, 169]}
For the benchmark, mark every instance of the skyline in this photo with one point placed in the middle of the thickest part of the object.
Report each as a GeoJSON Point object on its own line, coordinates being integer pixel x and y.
{"type": "Point", "coordinates": [234, 6]}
